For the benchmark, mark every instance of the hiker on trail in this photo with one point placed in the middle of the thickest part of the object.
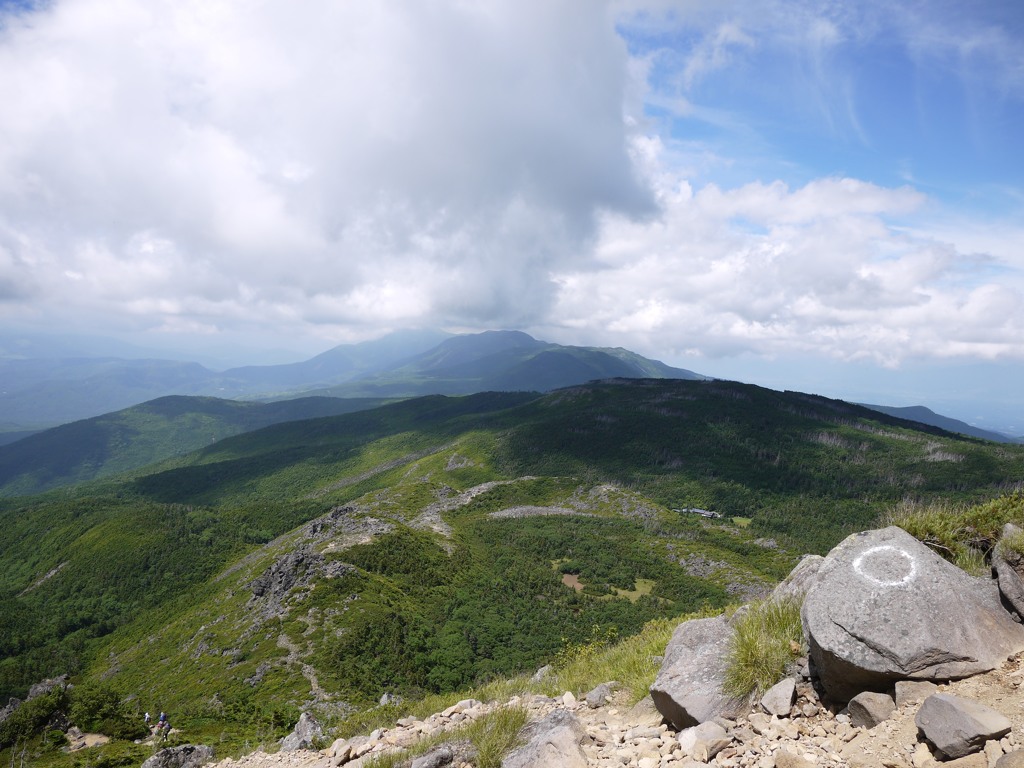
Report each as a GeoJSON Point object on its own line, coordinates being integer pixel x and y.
{"type": "Point", "coordinates": [147, 718]}
{"type": "Point", "coordinates": [163, 717]}
{"type": "Point", "coordinates": [166, 731]}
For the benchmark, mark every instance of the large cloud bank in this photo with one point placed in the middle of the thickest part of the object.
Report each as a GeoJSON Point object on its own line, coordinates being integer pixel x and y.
{"type": "Point", "coordinates": [338, 169]}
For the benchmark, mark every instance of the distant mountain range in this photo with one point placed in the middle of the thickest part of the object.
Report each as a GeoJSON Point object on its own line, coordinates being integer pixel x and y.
{"type": "Point", "coordinates": [41, 392]}
{"type": "Point", "coordinates": [43, 385]}
{"type": "Point", "coordinates": [924, 415]}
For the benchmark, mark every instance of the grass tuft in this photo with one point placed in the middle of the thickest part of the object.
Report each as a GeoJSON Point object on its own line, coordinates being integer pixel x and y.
{"type": "Point", "coordinates": [1012, 547]}
{"type": "Point", "coordinates": [493, 736]}
{"type": "Point", "coordinates": [768, 636]}
{"type": "Point", "coordinates": [962, 534]}
{"type": "Point", "coordinates": [496, 735]}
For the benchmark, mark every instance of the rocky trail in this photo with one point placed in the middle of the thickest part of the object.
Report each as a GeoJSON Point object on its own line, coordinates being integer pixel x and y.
{"type": "Point", "coordinates": [609, 733]}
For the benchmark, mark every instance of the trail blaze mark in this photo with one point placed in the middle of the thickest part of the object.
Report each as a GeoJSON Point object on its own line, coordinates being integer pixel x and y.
{"type": "Point", "coordinates": [886, 566]}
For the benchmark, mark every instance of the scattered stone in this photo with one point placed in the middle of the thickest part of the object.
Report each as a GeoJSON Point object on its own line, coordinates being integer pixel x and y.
{"type": "Point", "coordinates": [868, 709]}
{"type": "Point", "coordinates": [993, 751]}
{"type": "Point", "coordinates": [436, 758]}
{"type": "Point", "coordinates": [799, 580]}
{"type": "Point", "coordinates": [702, 742]}
{"type": "Point", "coordinates": [786, 759]}
{"type": "Point", "coordinates": [644, 712]}
{"type": "Point", "coordinates": [543, 673]}
{"type": "Point", "coordinates": [921, 756]}
{"type": "Point", "coordinates": [1009, 568]}
{"type": "Point", "coordinates": [911, 691]}
{"type": "Point", "coordinates": [778, 700]}
{"type": "Point", "coordinates": [958, 726]}
{"type": "Point", "coordinates": [1013, 759]}
{"type": "Point", "coordinates": [599, 696]}
{"type": "Point", "coordinates": [976, 760]}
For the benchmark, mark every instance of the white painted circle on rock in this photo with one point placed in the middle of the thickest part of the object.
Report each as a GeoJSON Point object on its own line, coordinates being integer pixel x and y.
{"type": "Point", "coordinates": [886, 566]}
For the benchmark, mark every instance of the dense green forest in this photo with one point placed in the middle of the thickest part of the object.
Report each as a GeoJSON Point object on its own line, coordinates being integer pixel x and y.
{"type": "Point", "coordinates": [429, 544]}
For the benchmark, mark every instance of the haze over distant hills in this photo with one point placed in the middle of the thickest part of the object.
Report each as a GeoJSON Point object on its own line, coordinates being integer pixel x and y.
{"type": "Point", "coordinates": [49, 381]}
{"type": "Point", "coordinates": [924, 415]}
{"type": "Point", "coordinates": [48, 389]}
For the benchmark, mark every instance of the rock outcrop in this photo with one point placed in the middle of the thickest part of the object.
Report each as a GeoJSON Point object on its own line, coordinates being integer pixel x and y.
{"type": "Point", "coordinates": [306, 732]}
{"type": "Point", "coordinates": [689, 687]}
{"type": "Point", "coordinates": [1008, 565]}
{"type": "Point", "coordinates": [185, 756]}
{"type": "Point", "coordinates": [883, 607]}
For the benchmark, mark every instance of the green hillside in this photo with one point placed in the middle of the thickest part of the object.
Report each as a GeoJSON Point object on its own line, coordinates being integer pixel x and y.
{"type": "Point", "coordinates": [429, 544]}
{"type": "Point", "coordinates": [153, 431]}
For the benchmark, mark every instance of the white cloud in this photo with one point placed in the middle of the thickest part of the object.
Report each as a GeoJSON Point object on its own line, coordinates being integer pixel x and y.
{"type": "Point", "coordinates": [201, 165]}
{"type": "Point", "coordinates": [821, 269]}
{"type": "Point", "coordinates": [380, 163]}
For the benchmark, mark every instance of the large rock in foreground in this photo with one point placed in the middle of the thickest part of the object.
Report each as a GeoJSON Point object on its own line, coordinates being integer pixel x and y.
{"type": "Point", "coordinates": [688, 689]}
{"type": "Point", "coordinates": [185, 756]}
{"type": "Point", "coordinates": [958, 726]}
{"type": "Point", "coordinates": [1008, 565]}
{"type": "Point", "coordinates": [554, 742]}
{"type": "Point", "coordinates": [884, 607]}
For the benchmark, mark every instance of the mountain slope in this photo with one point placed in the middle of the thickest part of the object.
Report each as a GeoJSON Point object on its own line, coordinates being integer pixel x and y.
{"type": "Point", "coordinates": [133, 437]}
{"type": "Point", "coordinates": [337, 364]}
{"type": "Point", "coordinates": [435, 541]}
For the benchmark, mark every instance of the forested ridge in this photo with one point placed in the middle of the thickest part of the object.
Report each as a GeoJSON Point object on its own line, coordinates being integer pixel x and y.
{"type": "Point", "coordinates": [425, 545]}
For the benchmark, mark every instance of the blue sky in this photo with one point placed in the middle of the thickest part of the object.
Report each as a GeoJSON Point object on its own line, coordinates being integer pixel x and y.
{"type": "Point", "coordinates": [822, 196]}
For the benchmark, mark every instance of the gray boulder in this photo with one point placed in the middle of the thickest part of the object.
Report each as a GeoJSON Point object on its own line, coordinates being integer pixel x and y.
{"type": "Point", "coordinates": [1008, 566]}
{"type": "Point", "coordinates": [800, 579]}
{"type": "Point", "coordinates": [884, 607]}
{"type": "Point", "coordinates": [598, 696]}
{"type": "Point", "coordinates": [1013, 759]}
{"type": "Point", "coordinates": [44, 687]}
{"type": "Point", "coordinates": [958, 726]}
{"type": "Point", "coordinates": [688, 689]}
{"type": "Point", "coordinates": [307, 730]}
{"type": "Point", "coordinates": [8, 709]}
{"type": "Point", "coordinates": [440, 757]}
{"type": "Point", "coordinates": [778, 700]}
{"type": "Point", "coordinates": [554, 742]}
{"type": "Point", "coordinates": [869, 708]}
{"type": "Point", "coordinates": [185, 756]}
{"type": "Point", "coordinates": [909, 691]}
{"type": "Point", "coordinates": [702, 742]}
{"type": "Point", "coordinates": [543, 673]}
